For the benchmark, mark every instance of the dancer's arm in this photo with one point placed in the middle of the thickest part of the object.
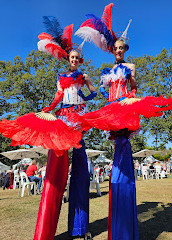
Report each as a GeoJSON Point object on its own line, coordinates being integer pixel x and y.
{"type": "Point", "coordinates": [133, 82]}
{"type": "Point", "coordinates": [104, 82]}
{"type": "Point", "coordinates": [104, 93]}
{"type": "Point", "coordinates": [89, 83]}
{"type": "Point", "coordinates": [57, 99]}
{"type": "Point", "coordinates": [91, 88]}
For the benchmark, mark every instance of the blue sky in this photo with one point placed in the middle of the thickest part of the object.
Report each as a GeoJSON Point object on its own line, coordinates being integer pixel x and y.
{"type": "Point", "coordinates": [149, 32]}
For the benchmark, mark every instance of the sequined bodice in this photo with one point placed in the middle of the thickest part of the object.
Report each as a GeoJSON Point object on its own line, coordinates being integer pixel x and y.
{"type": "Point", "coordinates": [71, 95]}
{"type": "Point", "coordinates": [71, 85]}
{"type": "Point", "coordinates": [117, 79]}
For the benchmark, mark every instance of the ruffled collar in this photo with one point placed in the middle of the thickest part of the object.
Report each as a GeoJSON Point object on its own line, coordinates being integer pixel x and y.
{"type": "Point", "coordinates": [74, 74]}
{"type": "Point", "coordinates": [67, 81]}
{"type": "Point", "coordinates": [120, 67]}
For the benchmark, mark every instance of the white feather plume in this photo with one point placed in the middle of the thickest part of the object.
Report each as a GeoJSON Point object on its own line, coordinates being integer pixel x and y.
{"type": "Point", "coordinates": [41, 45]}
{"type": "Point", "coordinates": [112, 77]}
{"type": "Point", "coordinates": [92, 35]}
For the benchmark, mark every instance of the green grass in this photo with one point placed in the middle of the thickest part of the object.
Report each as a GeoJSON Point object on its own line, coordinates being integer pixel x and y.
{"type": "Point", "coordinates": [154, 199]}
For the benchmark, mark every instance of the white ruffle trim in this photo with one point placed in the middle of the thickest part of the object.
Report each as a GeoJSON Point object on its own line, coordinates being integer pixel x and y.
{"type": "Point", "coordinates": [112, 77]}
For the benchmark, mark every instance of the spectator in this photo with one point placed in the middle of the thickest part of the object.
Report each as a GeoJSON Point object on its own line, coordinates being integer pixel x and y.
{"type": "Point", "coordinates": [139, 170]}
{"type": "Point", "coordinates": [4, 173]}
{"type": "Point", "coordinates": [164, 167]}
{"type": "Point", "coordinates": [31, 172]}
{"type": "Point", "coordinates": [107, 170]}
{"type": "Point", "coordinates": [6, 180]}
{"type": "Point", "coordinates": [137, 166]}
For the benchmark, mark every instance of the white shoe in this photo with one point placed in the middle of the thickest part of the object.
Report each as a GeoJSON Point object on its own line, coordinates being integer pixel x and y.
{"type": "Point", "coordinates": [88, 236]}
{"type": "Point", "coordinates": [38, 192]}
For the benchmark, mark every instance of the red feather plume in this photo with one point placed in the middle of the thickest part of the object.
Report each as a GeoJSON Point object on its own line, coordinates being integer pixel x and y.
{"type": "Point", "coordinates": [88, 23]}
{"type": "Point", "coordinates": [44, 35]}
{"type": "Point", "coordinates": [107, 18]}
{"type": "Point", "coordinates": [56, 51]}
{"type": "Point", "coordinates": [67, 37]}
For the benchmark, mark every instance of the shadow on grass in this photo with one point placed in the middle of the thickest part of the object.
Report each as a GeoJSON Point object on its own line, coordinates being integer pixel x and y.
{"type": "Point", "coordinates": [99, 226]}
{"type": "Point", "coordinates": [62, 236]}
{"type": "Point", "coordinates": [94, 194]}
{"type": "Point", "coordinates": [95, 228]}
{"type": "Point", "coordinates": [160, 221]}
{"type": "Point", "coordinates": [4, 198]}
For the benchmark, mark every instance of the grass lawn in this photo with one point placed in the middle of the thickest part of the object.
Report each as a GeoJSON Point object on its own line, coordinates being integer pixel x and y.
{"type": "Point", "coordinates": [154, 199]}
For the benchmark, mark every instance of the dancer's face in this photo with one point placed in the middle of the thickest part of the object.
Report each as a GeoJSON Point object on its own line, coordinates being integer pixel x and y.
{"type": "Point", "coordinates": [74, 59]}
{"type": "Point", "coordinates": [119, 50]}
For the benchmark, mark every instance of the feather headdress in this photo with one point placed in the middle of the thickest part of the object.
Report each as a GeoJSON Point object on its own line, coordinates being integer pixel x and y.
{"type": "Point", "coordinates": [99, 31]}
{"type": "Point", "coordinates": [55, 42]}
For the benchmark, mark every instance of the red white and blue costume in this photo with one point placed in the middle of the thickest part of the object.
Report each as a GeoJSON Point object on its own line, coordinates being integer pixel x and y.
{"type": "Point", "coordinates": [78, 216]}
{"type": "Point", "coordinates": [117, 80]}
{"type": "Point", "coordinates": [120, 116]}
{"type": "Point", "coordinates": [59, 135]}
{"type": "Point", "coordinates": [122, 119]}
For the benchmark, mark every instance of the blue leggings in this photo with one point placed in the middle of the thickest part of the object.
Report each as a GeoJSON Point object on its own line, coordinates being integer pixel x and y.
{"type": "Point", "coordinates": [78, 218]}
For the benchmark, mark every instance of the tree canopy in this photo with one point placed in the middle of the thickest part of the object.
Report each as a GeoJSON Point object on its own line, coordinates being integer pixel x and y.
{"type": "Point", "coordinates": [28, 86]}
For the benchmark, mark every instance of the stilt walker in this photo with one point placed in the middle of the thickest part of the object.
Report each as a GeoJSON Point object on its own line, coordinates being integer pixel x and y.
{"type": "Point", "coordinates": [59, 134]}
{"type": "Point", "coordinates": [121, 117]}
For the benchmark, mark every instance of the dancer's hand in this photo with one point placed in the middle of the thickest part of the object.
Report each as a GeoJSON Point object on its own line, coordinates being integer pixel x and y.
{"type": "Point", "coordinates": [104, 93]}
{"type": "Point", "coordinates": [57, 99]}
{"type": "Point", "coordinates": [46, 109]}
{"type": "Point", "coordinates": [132, 94]}
{"type": "Point", "coordinates": [89, 97]}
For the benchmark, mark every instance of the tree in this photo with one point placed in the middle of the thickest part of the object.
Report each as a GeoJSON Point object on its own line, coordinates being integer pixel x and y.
{"type": "Point", "coordinates": [138, 143]}
{"type": "Point", "coordinates": [31, 85]}
{"type": "Point", "coordinates": [27, 87]}
{"type": "Point", "coordinates": [154, 77]}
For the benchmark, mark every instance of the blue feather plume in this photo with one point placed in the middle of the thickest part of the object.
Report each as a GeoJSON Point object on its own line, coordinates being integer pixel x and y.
{"type": "Point", "coordinates": [126, 70]}
{"type": "Point", "coordinates": [53, 28]}
{"type": "Point", "coordinates": [105, 71]}
{"type": "Point", "coordinates": [102, 28]}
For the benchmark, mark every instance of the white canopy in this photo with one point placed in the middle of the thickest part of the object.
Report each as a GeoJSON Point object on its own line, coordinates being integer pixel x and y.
{"type": "Point", "coordinates": [40, 150]}
{"type": "Point", "coordinates": [146, 152]}
{"type": "Point", "coordinates": [19, 154]}
{"type": "Point", "coordinates": [102, 160]}
{"type": "Point", "coordinates": [92, 152]}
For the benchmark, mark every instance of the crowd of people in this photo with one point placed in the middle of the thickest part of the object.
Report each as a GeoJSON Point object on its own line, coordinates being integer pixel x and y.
{"type": "Point", "coordinates": [152, 169]}
{"type": "Point", "coordinates": [32, 172]}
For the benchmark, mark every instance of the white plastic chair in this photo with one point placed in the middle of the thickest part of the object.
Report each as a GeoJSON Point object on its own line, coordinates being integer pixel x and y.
{"type": "Point", "coordinates": [158, 172]}
{"type": "Point", "coordinates": [26, 183]}
{"type": "Point", "coordinates": [43, 177]}
{"type": "Point", "coordinates": [145, 174]}
{"type": "Point", "coordinates": [16, 181]}
{"type": "Point", "coordinates": [151, 173]}
{"type": "Point", "coordinates": [101, 177]}
{"type": "Point", "coordinates": [67, 187]}
{"type": "Point", "coordinates": [163, 174]}
{"type": "Point", "coordinates": [94, 184]}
